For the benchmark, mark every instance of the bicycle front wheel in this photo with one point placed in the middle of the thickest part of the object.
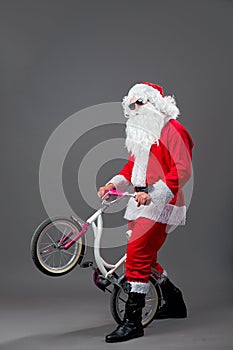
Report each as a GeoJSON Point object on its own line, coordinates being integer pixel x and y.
{"type": "Point", "coordinates": [48, 255]}
{"type": "Point", "coordinates": [119, 298]}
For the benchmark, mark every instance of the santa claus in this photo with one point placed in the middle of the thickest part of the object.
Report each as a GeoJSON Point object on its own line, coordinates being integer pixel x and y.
{"type": "Point", "coordinates": [159, 164]}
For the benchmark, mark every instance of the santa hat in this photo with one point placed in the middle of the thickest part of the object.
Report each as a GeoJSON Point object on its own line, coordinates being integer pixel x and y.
{"type": "Point", "coordinates": [155, 95]}
{"type": "Point", "coordinates": [154, 86]}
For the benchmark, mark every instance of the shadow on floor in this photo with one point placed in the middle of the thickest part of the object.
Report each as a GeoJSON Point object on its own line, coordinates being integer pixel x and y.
{"type": "Point", "coordinates": [92, 338]}
{"type": "Point", "coordinates": [209, 329]}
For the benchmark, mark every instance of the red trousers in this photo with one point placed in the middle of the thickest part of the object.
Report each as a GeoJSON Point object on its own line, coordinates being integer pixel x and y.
{"type": "Point", "coordinates": [146, 239]}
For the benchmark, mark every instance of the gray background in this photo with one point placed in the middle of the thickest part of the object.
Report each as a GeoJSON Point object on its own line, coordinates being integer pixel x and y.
{"type": "Point", "coordinates": [58, 57]}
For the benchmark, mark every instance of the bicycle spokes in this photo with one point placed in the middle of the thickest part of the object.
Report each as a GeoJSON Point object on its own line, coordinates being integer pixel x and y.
{"type": "Point", "coordinates": [51, 245]}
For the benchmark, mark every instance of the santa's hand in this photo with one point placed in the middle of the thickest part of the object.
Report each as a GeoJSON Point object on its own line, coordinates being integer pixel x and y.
{"type": "Point", "coordinates": [142, 198]}
{"type": "Point", "coordinates": [102, 190]}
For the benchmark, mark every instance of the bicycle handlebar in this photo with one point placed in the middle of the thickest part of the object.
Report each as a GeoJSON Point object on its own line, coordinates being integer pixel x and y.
{"type": "Point", "coordinates": [117, 194]}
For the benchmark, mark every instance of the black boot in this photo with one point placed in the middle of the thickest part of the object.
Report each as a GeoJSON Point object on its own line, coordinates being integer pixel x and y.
{"type": "Point", "coordinates": [174, 306]}
{"type": "Point", "coordinates": [132, 323]}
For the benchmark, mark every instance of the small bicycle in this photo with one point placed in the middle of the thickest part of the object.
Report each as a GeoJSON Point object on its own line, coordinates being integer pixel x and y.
{"type": "Point", "coordinates": [59, 244]}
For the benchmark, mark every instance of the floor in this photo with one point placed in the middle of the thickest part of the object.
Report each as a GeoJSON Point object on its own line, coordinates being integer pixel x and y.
{"type": "Point", "coordinates": [36, 324]}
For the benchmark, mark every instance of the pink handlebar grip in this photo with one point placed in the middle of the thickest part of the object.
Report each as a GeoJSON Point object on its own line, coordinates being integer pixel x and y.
{"type": "Point", "coordinates": [115, 193]}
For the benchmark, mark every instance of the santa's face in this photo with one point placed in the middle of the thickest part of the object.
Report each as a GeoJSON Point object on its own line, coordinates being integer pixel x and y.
{"type": "Point", "coordinates": [132, 104]}
{"type": "Point", "coordinates": [144, 124]}
{"type": "Point", "coordinates": [136, 103]}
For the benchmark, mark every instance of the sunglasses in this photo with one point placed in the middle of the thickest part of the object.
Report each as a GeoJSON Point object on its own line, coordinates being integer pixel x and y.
{"type": "Point", "coordinates": [139, 102]}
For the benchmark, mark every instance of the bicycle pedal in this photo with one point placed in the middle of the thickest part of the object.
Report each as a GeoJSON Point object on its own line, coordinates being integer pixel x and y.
{"type": "Point", "coordinates": [100, 281]}
{"type": "Point", "coordinates": [86, 264]}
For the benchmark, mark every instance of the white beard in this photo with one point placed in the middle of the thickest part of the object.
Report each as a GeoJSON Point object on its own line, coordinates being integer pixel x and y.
{"type": "Point", "coordinates": [143, 128]}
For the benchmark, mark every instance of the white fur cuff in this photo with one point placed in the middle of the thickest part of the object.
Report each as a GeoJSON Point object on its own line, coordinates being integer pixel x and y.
{"type": "Point", "coordinates": [139, 287]}
{"type": "Point", "coordinates": [120, 182]}
{"type": "Point", "coordinates": [160, 194]}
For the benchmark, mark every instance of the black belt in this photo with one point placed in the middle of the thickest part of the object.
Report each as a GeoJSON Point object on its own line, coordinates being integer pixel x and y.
{"type": "Point", "coordinates": [143, 189]}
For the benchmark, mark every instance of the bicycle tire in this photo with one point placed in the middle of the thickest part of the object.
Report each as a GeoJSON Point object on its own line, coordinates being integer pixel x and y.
{"type": "Point", "coordinates": [117, 309]}
{"type": "Point", "coordinates": [76, 254]}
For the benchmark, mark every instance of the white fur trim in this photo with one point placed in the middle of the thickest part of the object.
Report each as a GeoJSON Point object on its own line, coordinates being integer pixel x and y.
{"type": "Point", "coordinates": [138, 177]}
{"type": "Point", "coordinates": [160, 194]}
{"type": "Point", "coordinates": [171, 214]}
{"type": "Point", "coordinates": [166, 104]}
{"type": "Point", "coordinates": [120, 182]}
{"type": "Point", "coordinates": [139, 287]}
{"type": "Point", "coordinates": [162, 277]}
{"type": "Point", "coordinates": [164, 274]}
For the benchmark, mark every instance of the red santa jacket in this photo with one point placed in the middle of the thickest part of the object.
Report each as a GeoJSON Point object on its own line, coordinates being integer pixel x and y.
{"type": "Point", "coordinates": [169, 167]}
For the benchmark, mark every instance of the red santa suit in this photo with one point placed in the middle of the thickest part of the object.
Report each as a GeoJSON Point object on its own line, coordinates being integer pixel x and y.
{"type": "Point", "coordinates": [163, 167]}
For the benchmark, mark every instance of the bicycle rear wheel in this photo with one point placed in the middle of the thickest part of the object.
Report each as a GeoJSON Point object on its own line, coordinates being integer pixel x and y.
{"type": "Point", "coordinates": [119, 298]}
{"type": "Point", "coordinates": [48, 255]}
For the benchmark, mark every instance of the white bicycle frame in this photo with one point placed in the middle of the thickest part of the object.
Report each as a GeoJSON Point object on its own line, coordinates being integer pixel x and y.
{"type": "Point", "coordinates": [98, 230]}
